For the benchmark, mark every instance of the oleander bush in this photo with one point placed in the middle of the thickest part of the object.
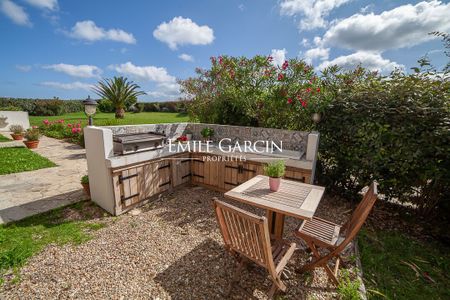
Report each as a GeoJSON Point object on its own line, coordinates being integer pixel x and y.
{"type": "Point", "coordinates": [394, 129]}
{"type": "Point", "coordinates": [42, 107]}
{"type": "Point", "coordinates": [60, 129]}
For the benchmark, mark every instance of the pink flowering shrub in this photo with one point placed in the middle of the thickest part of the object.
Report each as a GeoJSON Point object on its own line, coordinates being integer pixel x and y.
{"type": "Point", "coordinates": [59, 129]}
{"type": "Point", "coordinates": [256, 91]}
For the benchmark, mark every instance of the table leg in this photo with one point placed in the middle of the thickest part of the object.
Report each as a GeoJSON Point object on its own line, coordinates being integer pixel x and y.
{"type": "Point", "coordinates": [276, 224]}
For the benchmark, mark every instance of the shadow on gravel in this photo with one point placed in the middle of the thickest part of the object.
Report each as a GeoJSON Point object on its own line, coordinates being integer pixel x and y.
{"type": "Point", "coordinates": [206, 273]}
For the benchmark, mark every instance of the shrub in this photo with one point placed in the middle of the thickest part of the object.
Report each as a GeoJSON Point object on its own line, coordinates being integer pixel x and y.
{"type": "Point", "coordinates": [394, 129]}
{"type": "Point", "coordinates": [43, 107]}
{"type": "Point", "coordinates": [16, 129]}
{"type": "Point", "coordinates": [139, 107]}
{"type": "Point", "coordinates": [48, 108]}
{"type": "Point", "coordinates": [151, 106]}
{"type": "Point", "coordinates": [275, 169]}
{"type": "Point", "coordinates": [105, 106]}
{"type": "Point", "coordinates": [10, 108]}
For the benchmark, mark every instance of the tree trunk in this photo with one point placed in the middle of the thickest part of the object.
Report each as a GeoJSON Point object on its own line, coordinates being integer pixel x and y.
{"type": "Point", "coordinates": [120, 113]}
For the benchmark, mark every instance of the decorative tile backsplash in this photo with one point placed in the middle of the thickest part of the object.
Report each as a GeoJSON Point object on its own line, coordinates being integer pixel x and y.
{"type": "Point", "coordinates": [291, 140]}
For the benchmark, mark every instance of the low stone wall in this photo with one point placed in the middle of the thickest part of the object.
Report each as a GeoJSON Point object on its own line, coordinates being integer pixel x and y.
{"type": "Point", "coordinates": [171, 130]}
{"type": "Point", "coordinates": [8, 118]}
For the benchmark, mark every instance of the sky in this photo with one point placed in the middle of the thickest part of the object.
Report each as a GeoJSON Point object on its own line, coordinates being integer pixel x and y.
{"type": "Point", "coordinates": [60, 48]}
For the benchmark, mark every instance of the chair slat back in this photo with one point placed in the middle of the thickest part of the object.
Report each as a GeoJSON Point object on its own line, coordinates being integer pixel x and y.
{"type": "Point", "coordinates": [245, 233]}
{"type": "Point", "coordinates": [361, 213]}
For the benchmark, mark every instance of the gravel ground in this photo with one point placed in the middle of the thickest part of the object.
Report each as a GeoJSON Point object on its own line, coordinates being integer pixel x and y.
{"type": "Point", "coordinates": [168, 249]}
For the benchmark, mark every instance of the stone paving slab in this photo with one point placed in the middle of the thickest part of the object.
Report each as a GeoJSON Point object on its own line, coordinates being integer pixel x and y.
{"type": "Point", "coordinates": [12, 143]}
{"type": "Point", "coordinates": [28, 193]}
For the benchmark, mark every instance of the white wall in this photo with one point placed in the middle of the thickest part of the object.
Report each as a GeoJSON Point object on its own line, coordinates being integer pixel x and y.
{"type": "Point", "coordinates": [99, 146]}
{"type": "Point", "coordinates": [8, 118]}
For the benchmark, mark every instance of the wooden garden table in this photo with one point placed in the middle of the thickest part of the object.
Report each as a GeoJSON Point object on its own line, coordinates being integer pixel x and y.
{"type": "Point", "coordinates": [295, 199]}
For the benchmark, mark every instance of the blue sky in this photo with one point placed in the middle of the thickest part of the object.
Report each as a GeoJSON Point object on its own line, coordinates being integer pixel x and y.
{"type": "Point", "coordinates": [60, 47]}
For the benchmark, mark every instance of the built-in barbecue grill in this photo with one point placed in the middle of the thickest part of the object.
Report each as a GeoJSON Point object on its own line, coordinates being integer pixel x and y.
{"type": "Point", "coordinates": [138, 142]}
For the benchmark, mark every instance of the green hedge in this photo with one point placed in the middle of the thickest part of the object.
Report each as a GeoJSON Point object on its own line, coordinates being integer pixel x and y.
{"type": "Point", "coordinates": [43, 107]}
{"type": "Point", "coordinates": [394, 129]}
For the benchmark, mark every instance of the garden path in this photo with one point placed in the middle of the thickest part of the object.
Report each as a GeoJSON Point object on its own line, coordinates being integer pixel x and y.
{"type": "Point", "coordinates": [29, 193]}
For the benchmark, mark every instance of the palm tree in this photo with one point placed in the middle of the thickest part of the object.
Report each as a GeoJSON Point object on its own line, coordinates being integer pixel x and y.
{"type": "Point", "coordinates": [119, 91]}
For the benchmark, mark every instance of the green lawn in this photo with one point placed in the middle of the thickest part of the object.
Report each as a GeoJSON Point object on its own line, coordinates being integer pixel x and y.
{"type": "Point", "coordinates": [20, 159]}
{"type": "Point", "coordinates": [4, 138]}
{"type": "Point", "coordinates": [22, 239]}
{"type": "Point", "coordinates": [101, 119]}
{"type": "Point", "coordinates": [396, 266]}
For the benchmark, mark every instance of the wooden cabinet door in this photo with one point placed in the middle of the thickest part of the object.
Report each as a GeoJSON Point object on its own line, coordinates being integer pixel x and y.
{"type": "Point", "coordinates": [237, 172]}
{"type": "Point", "coordinates": [248, 171]}
{"type": "Point", "coordinates": [181, 169]}
{"type": "Point", "coordinates": [298, 175]}
{"type": "Point", "coordinates": [211, 170]}
{"type": "Point", "coordinates": [129, 186]}
{"type": "Point", "coordinates": [231, 172]}
{"type": "Point", "coordinates": [164, 176]}
{"type": "Point", "coordinates": [197, 168]}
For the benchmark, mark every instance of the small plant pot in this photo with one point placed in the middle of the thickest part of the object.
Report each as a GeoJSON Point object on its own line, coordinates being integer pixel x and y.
{"type": "Point", "coordinates": [17, 137]}
{"type": "Point", "coordinates": [87, 190]}
{"type": "Point", "coordinates": [274, 183]}
{"type": "Point", "coordinates": [31, 144]}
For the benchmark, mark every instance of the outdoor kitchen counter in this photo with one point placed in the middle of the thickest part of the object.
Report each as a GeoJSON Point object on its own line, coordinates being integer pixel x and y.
{"type": "Point", "coordinates": [292, 158]}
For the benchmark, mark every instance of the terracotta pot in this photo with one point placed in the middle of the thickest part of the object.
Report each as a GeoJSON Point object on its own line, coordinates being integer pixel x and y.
{"type": "Point", "coordinates": [17, 137]}
{"type": "Point", "coordinates": [31, 144]}
{"type": "Point", "coordinates": [274, 183]}
{"type": "Point", "coordinates": [86, 188]}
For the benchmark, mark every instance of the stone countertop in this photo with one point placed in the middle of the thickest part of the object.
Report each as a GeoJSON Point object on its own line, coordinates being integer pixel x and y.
{"type": "Point", "coordinates": [292, 158]}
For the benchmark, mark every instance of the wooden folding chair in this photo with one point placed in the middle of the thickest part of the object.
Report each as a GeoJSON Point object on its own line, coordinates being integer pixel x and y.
{"type": "Point", "coordinates": [247, 237]}
{"type": "Point", "coordinates": [319, 233]}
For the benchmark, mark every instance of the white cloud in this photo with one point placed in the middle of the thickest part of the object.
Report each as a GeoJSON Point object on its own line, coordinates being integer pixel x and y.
{"type": "Point", "coordinates": [311, 12]}
{"type": "Point", "coordinates": [84, 71]}
{"type": "Point", "coordinates": [241, 7]}
{"type": "Point", "coordinates": [404, 26]}
{"type": "Point", "coordinates": [23, 68]}
{"type": "Point", "coordinates": [305, 42]}
{"type": "Point", "coordinates": [89, 31]}
{"type": "Point", "coordinates": [68, 86]}
{"type": "Point", "coordinates": [44, 4]}
{"type": "Point", "coordinates": [186, 57]}
{"type": "Point", "coordinates": [279, 56]}
{"type": "Point", "coordinates": [369, 60]}
{"type": "Point", "coordinates": [183, 31]}
{"type": "Point", "coordinates": [15, 12]}
{"type": "Point", "coordinates": [149, 73]}
{"type": "Point", "coordinates": [317, 53]}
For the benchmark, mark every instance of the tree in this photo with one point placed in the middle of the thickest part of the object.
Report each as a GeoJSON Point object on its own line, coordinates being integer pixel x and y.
{"type": "Point", "coordinates": [119, 91]}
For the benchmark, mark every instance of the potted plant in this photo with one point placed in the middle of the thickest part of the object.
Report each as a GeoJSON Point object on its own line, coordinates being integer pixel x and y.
{"type": "Point", "coordinates": [275, 170]}
{"type": "Point", "coordinates": [17, 132]}
{"type": "Point", "coordinates": [32, 136]}
{"type": "Point", "coordinates": [85, 184]}
{"type": "Point", "coordinates": [182, 139]}
{"type": "Point", "coordinates": [207, 133]}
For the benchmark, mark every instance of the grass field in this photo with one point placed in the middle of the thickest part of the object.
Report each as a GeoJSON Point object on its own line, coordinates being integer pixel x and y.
{"type": "Point", "coordinates": [102, 119]}
{"type": "Point", "coordinates": [4, 138]}
{"type": "Point", "coordinates": [22, 239]}
{"type": "Point", "coordinates": [20, 159]}
{"type": "Point", "coordinates": [396, 266]}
